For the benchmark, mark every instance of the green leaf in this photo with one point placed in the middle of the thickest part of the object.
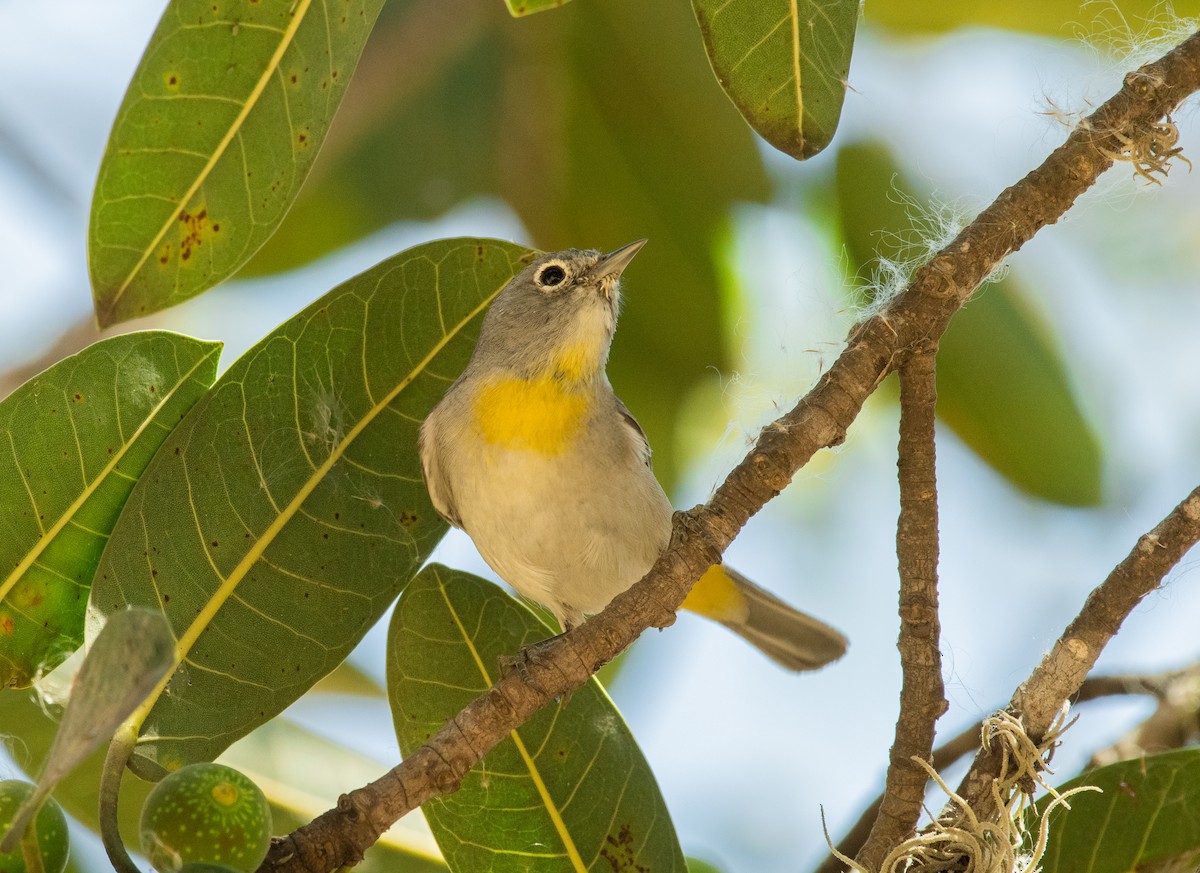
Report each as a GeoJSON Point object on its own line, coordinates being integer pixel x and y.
{"type": "Point", "coordinates": [568, 790]}
{"type": "Point", "coordinates": [287, 510]}
{"type": "Point", "coordinates": [279, 756]}
{"type": "Point", "coordinates": [24, 716]}
{"type": "Point", "coordinates": [123, 663]}
{"type": "Point", "coordinates": [348, 679]}
{"type": "Point", "coordinates": [217, 131]}
{"type": "Point", "coordinates": [540, 113]}
{"type": "Point", "coordinates": [783, 63]}
{"type": "Point", "coordinates": [1145, 819]}
{"type": "Point", "coordinates": [1067, 19]}
{"type": "Point", "coordinates": [78, 437]}
{"type": "Point", "coordinates": [1003, 389]}
{"type": "Point", "coordinates": [1002, 386]}
{"type": "Point", "coordinates": [518, 8]}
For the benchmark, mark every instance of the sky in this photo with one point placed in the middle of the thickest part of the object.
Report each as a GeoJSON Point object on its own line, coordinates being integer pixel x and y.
{"type": "Point", "coordinates": [746, 754]}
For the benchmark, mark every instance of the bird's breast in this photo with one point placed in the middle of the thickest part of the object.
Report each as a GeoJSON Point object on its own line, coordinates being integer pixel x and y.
{"type": "Point", "coordinates": [542, 415]}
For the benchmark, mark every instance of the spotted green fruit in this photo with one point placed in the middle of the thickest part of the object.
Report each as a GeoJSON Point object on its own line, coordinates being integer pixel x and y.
{"type": "Point", "coordinates": [51, 829]}
{"type": "Point", "coordinates": [206, 814]}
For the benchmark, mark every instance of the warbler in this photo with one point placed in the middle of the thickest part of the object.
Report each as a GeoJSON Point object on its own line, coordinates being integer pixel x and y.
{"type": "Point", "coordinates": [533, 455]}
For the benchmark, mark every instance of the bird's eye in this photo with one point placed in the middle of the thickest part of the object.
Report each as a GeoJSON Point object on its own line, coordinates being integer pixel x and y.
{"type": "Point", "coordinates": [551, 275]}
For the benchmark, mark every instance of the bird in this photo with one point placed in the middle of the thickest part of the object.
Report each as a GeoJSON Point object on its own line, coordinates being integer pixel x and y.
{"type": "Point", "coordinates": [534, 456]}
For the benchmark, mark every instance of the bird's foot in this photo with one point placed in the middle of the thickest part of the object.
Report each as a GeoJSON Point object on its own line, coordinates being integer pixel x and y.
{"type": "Point", "coordinates": [531, 653]}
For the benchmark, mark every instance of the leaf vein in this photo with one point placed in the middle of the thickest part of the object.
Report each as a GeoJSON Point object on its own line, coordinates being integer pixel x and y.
{"type": "Point", "coordinates": [286, 38]}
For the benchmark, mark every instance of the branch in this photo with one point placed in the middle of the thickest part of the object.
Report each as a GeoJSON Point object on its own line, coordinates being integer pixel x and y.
{"type": "Point", "coordinates": [967, 741]}
{"type": "Point", "coordinates": [699, 537]}
{"type": "Point", "coordinates": [1173, 725]}
{"type": "Point", "coordinates": [922, 696]}
{"type": "Point", "coordinates": [1040, 698]}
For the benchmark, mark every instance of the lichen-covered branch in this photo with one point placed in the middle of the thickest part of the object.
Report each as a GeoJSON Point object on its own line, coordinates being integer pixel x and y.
{"type": "Point", "coordinates": [967, 741]}
{"type": "Point", "coordinates": [875, 346]}
{"type": "Point", "coordinates": [1061, 672]}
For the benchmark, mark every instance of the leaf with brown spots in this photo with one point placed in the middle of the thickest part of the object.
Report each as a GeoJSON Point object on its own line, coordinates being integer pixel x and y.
{"type": "Point", "coordinates": [76, 439]}
{"type": "Point", "coordinates": [271, 529]}
{"type": "Point", "coordinates": [217, 132]}
{"type": "Point", "coordinates": [568, 791]}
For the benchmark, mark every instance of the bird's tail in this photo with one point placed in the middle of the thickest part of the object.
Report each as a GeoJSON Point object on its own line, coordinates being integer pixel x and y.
{"type": "Point", "coordinates": [784, 634]}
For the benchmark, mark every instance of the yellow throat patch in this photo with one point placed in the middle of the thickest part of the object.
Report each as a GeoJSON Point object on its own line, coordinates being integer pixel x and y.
{"type": "Point", "coordinates": [540, 415]}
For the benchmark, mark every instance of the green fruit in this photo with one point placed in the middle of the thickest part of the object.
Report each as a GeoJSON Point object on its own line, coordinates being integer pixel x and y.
{"type": "Point", "coordinates": [205, 814]}
{"type": "Point", "coordinates": [51, 829]}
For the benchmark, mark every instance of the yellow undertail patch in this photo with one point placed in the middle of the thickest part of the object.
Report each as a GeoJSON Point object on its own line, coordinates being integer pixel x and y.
{"type": "Point", "coordinates": [717, 596]}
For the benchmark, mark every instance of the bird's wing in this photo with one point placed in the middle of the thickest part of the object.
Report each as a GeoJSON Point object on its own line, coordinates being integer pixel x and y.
{"type": "Point", "coordinates": [637, 436]}
{"type": "Point", "coordinates": [439, 489]}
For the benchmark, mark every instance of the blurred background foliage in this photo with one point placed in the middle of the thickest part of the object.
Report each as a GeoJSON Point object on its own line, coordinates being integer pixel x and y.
{"type": "Point", "coordinates": [601, 122]}
{"type": "Point", "coordinates": [585, 144]}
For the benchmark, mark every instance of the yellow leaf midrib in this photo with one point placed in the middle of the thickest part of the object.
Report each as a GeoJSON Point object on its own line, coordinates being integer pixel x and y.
{"type": "Point", "coordinates": [229, 584]}
{"type": "Point", "coordinates": [796, 65]}
{"type": "Point", "coordinates": [69, 513]}
{"type": "Point", "coordinates": [251, 101]}
{"type": "Point", "coordinates": [535, 775]}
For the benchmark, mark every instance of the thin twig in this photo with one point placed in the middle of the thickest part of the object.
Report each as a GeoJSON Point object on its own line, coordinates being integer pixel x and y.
{"type": "Point", "coordinates": [120, 750]}
{"type": "Point", "coordinates": [1175, 723]}
{"type": "Point", "coordinates": [1040, 698]}
{"type": "Point", "coordinates": [922, 695]}
{"type": "Point", "coordinates": [920, 313]}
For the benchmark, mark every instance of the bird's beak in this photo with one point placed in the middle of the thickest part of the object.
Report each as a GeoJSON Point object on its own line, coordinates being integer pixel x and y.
{"type": "Point", "coordinates": [614, 263]}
